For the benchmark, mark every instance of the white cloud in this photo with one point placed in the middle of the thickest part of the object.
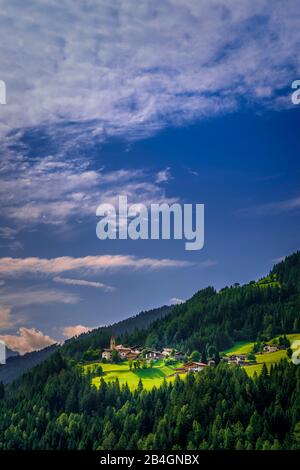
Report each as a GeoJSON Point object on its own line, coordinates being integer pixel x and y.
{"type": "Point", "coordinates": [27, 340]}
{"type": "Point", "coordinates": [163, 176]}
{"type": "Point", "coordinates": [25, 297]}
{"type": "Point", "coordinates": [124, 67]}
{"type": "Point", "coordinates": [18, 266]}
{"type": "Point", "coordinates": [193, 172]}
{"type": "Point", "coordinates": [176, 301]}
{"type": "Point", "coordinates": [54, 191]}
{"type": "Point", "coordinates": [83, 282]}
{"type": "Point", "coordinates": [75, 330]}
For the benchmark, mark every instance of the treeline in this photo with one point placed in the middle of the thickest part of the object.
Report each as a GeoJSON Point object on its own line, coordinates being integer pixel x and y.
{"type": "Point", "coordinates": [255, 312]}
{"type": "Point", "coordinates": [55, 407]}
{"type": "Point", "coordinates": [99, 338]}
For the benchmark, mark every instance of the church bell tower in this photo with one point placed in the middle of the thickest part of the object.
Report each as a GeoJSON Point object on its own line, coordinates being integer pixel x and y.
{"type": "Point", "coordinates": [113, 342]}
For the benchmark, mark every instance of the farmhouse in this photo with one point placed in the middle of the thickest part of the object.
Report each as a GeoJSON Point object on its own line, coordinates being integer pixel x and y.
{"type": "Point", "coordinates": [131, 356]}
{"type": "Point", "coordinates": [154, 355]}
{"type": "Point", "coordinates": [270, 348]}
{"type": "Point", "coordinates": [194, 366]}
{"type": "Point", "coordinates": [178, 355]}
{"type": "Point", "coordinates": [167, 352]}
{"type": "Point", "coordinates": [236, 359]}
{"type": "Point", "coordinates": [123, 351]}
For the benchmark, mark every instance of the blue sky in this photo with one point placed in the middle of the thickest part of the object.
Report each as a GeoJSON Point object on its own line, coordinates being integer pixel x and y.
{"type": "Point", "coordinates": [161, 101]}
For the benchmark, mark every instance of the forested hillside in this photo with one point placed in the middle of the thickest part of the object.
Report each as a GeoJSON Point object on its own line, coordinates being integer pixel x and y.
{"type": "Point", "coordinates": [17, 365]}
{"type": "Point", "coordinates": [99, 338]}
{"type": "Point", "coordinates": [255, 311]}
{"type": "Point", "coordinates": [219, 408]}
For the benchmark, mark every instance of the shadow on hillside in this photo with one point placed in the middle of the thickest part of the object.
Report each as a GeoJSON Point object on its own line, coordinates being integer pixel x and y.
{"type": "Point", "coordinates": [154, 373]}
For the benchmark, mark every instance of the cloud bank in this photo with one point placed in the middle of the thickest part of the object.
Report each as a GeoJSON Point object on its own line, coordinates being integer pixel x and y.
{"type": "Point", "coordinates": [27, 340]}
{"type": "Point", "coordinates": [34, 265]}
{"type": "Point", "coordinates": [55, 191]}
{"type": "Point", "coordinates": [126, 67]}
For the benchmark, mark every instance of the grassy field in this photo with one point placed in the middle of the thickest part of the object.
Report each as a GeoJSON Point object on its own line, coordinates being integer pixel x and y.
{"type": "Point", "coordinates": [241, 347]}
{"type": "Point", "coordinates": [268, 359]}
{"type": "Point", "coordinates": [244, 347]}
{"type": "Point", "coordinates": [153, 377]}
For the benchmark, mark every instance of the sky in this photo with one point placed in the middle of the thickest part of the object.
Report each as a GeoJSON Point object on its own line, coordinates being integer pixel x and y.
{"type": "Point", "coordinates": [162, 101]}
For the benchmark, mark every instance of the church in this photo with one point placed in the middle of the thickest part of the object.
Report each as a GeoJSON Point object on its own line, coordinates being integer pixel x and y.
{"type": "Point", "coordinates": [124, 352]}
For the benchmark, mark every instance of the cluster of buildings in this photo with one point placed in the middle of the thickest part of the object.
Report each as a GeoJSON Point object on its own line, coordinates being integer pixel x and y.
{"type": "Point", "coordinates": [131, 353]}
{"type": "Point", "coordinates": [123, 351]}
{"type": "Point", "coordinates": [238, 359]}
{"type": "Point", "coordinates": [241, 359]}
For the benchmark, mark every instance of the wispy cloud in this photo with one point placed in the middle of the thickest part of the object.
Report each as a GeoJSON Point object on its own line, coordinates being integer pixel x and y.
{"type": "Point", "coordinates": [8, 238]}
{"type": "Point", "coordinates": [18, 266]}
{"type": "Point", "coordinates": [55, 191]}
{"type": "Point", "coordinates": [193, 172]}
{"type": "Point", "coordinates": [25, 297]}
{"type": "Point", "coordinates": [163, 176]}
{"type": "Point", "coordinates": [12, 300]}
{"type": "Point", "coordinates": [209, 263]}
{"type": "Point", "coordinates": [287, 205]}
{"type": "Point", "coordinates": [6, 320]}
{"type": "Point", "coordinates": [27, 340]}
{"type": "Point", "coordinates": [84, 283]}
{"type": "Point", "coordinates": [128, 67]}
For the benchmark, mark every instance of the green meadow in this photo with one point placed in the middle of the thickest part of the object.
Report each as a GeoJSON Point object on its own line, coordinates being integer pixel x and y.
{"type": "Point", "coordinates": [269, 359]}
{"type": "Point", "coordinates": [154, 377]}
{"type": "Point", "coordinates": [241, 347]}
{"type": "Point", "coordinates": [151, 377]}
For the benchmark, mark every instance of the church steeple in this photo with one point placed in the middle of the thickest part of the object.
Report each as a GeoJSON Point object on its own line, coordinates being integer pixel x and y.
{"type": "Point", "coordinates": [113, 342]}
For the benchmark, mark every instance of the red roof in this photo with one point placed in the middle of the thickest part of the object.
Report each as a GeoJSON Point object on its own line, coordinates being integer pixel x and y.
{"type": "Point", "coordinates": [196, 364]}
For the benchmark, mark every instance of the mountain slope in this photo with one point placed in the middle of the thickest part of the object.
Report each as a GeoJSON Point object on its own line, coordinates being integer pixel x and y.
{"type": "Point", "coordinates": [99, 338]}
{"type": "Point", "coordinates": [258, 310]}
{"type": "Point", "coordinates": [17, 365]}
{"type": "Point", "coordinates": [218, 408]}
